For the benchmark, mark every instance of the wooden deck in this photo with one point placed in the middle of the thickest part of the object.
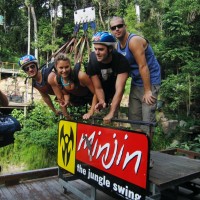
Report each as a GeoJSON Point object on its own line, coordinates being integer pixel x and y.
{"type": "Point", "coordinates": [14, 105]}
{"type": "Point", "coordinates": [17, 105]}
{"type": "Point", "coordinates": [45, 189]}
{"type": "Point", "coordinates": [9, 71]}
{"type": "Point", "coordinates": [173, 170]}
{"type": "Point", "coordinates": [171, 175]}
{"type": "Point", "coordinates": [50, 189]}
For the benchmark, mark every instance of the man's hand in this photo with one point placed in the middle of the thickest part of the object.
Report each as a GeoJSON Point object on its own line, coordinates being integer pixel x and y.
{"type": "Point", "coordinates": [107, 118]}
{"type": "Point", "coordinates": [100, 105]}
{"type": "Point", "coordinates": [148, 98]}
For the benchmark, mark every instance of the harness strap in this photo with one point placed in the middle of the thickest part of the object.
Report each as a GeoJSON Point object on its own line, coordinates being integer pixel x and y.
{"type": "Point", "coordinates": [76, 29]}
{"type": "Point", "coordinates": [93, 25]}
{"type": "Point", "coordinates": [85, 26]}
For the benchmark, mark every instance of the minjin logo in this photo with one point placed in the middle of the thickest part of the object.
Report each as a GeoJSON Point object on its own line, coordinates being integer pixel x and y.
{"type": "Point", "coordinates": [108, 157]}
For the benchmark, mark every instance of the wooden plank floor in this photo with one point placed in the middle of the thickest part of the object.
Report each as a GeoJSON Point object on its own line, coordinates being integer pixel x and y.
{"type": "Point", "coordinates": [50, 189]}
{"type": "Point", "coordinates": [170, 170]}
{"type": "Point", "coordinates": [45, 189]}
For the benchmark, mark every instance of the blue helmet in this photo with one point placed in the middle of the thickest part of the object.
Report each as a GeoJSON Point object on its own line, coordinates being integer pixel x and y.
{"type": "Point", "coordinates": [23, 61]}
{"type": "Point", "coordinates": [105, 38]}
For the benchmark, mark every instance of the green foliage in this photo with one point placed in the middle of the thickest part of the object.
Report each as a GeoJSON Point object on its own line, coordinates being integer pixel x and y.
{"type": "Point", "coordinates": [131, 19]}
{"type": "Point", "coordinates": [12, 34]}
{"type": "Point", "coordinates": [6, 153]}
{"type": "Point", "coordinates": [44, 138]}
{"type": "Point", "coordinates": [175, 25]}
{"type": "Point", "coordinates": [179, 57]}
{"type": "Point", "coordinates": [36, 144]}
{"type": "Point", "coordinates": [19, 115]}
{"type": "Point", "coordinates": [160, 140]}
{"type": "Point", "coordinates": [40, 117]}
{"type": "Point", "coordinates": [127, 86]}
{"type": "Point", "coordinates": [151, 19]}
{"type": "Point", "coordinates": [180, 39]}
{"type": "Point", "coordinates": [121, 8]}
{"type": "Point", "coordinates": [172, 86]}
{"type": "Point", "coordinates": [180, 90]}
{"type": "Point", "coordinates": [190, 145]}
{"type": "Point", "coordinates": [182, 136]}
{"type": "Point", "coordinates": [45, 44]}
{"type": "Point", "coordinates": [37, 149]}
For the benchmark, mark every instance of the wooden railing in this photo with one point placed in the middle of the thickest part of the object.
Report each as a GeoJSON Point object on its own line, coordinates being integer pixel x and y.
{"type": "Point", "coordinates": [9, 67]}
{"type": "Point", "coordinates": [12, 179]}
{"type": "Point", "coordinates": [177, 151]}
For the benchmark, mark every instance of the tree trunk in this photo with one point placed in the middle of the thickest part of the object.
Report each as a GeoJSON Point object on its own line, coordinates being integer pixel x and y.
{"type": "Point", "coordinates": [137, 9]}
{"type": "Point", "coordinates": [54, 9]}
{"type": "Point", "coordinates": [100, 16]}
{"type": "Point", "coordinates": [189, 96]}
{"type": "Point", "coordinates": [35, 31]}
{"type": "Point", "coordinates": [29, 31]}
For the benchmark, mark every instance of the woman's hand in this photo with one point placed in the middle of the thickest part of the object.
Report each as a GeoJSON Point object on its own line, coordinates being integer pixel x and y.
{"type": "Point", "coordinates": [87, 115]}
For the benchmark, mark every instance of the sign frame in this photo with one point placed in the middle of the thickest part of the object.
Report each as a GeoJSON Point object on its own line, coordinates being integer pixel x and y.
{"type": "Point", "coordinates": [82, 151]}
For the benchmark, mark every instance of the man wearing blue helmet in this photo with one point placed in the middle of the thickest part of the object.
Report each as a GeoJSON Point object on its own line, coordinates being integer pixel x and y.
{"type": "Point", "coordinates": [42, 81]}
{"type": "Point", "coordinates": [109, 71]}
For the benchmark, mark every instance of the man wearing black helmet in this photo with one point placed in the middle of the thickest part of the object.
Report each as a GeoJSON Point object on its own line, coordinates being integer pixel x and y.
{"type": "Point", "coordinates": [109, 71]}
{"type": "Point", "coordinates": [42, 81]}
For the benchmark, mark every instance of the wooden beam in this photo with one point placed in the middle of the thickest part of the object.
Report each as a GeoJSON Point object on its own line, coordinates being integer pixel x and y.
{"type": "Point", "coordinates": [10, 179]}
{"type": "Point", "coordinates": [189, 154]}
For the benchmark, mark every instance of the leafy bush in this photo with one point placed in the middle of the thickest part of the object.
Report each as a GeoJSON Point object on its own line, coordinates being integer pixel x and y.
{"type": "Point", "coordinates": [36, 144]}
{"type": "Point", "coordinates": [160, 140]}
{"type": "Point", "coordinates": [191, 145]}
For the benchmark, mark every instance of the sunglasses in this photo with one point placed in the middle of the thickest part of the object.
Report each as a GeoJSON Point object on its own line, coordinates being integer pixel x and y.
{"type": "Point", "coordinates": [26, 69]}
{"type": "Point", "coordinates": [117, 26]}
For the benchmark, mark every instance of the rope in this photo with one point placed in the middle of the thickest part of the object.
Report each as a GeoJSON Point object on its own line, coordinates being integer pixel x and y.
{"type": "Point", "coordinates": [76, 29]}
{"type": "Point", "coordinates": [84, 3]}
{"type": "Point", "coordinates": [75, 6]}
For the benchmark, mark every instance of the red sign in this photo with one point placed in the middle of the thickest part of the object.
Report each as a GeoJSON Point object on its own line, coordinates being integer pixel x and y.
{"type": "Point", "coordinates": [114, 160]}
{"type": "Point", "coordinates": [118, 152]}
